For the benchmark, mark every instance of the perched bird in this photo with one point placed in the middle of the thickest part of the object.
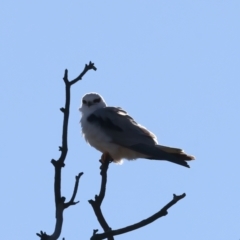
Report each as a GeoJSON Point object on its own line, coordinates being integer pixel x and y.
{"type": "Point", "coordinates": [113, 132]}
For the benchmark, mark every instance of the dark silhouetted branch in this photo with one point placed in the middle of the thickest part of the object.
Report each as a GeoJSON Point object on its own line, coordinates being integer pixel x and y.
{"type": "Point", "coordinates": [59, 164]}
{"type": "Point", "coordinates": [96, 204]}
{"type": "Point", "coordinates": [71, 202]}
{"type": "Point", "coordinates": [87, 67]}
{"type": "Point", "coordinates": [161, 213]}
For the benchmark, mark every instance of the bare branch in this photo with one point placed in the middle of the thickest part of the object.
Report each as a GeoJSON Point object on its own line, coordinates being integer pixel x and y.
{"type": "Point", "coordinates": [87, 67]}
{"type": "Point", "coordinates": [71, 202]}
{"type": "Point", "coordinates": [59, 164]}
{"type": "Point", "coordinates": [96, 204]}
{"type": "Point", "coordinates": [58, 225]}
{"type": "Point", "coordinates": [104, 168]}
{"type": "Point", "coordinates": [161, 213]}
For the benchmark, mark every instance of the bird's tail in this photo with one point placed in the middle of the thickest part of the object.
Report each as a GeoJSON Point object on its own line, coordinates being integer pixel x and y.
{"type": "Point", "coordinates": [176, 155]}
{"type": "Point", "coordinates": [178, 152]}
{"type": "Point", "coordinates": [159, 152]}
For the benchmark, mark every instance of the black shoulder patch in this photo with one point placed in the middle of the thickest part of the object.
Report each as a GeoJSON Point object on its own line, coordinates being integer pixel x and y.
{"type": "Point", "coordinates": [103, 123]}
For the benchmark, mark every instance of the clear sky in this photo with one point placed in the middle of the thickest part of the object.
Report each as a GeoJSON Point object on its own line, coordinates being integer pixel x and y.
{"type": "Point", "coordinates": [173, 65]}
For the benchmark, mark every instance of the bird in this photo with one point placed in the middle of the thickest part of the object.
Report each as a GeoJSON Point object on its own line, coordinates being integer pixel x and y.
{"type": "Point", "coordinates": [117, 135]}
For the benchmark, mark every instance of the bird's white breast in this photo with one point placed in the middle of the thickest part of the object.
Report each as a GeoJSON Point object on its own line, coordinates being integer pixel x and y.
{"type": "Point", "coordinates": [102, 142]}
{"type": "Point", "coordinates": [94, 136]}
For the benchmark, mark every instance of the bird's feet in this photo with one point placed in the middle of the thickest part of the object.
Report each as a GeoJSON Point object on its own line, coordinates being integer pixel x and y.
{"type": "Point", "coordinates": [106, 157]}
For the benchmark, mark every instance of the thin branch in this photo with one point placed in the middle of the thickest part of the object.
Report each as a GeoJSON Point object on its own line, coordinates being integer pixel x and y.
{"type": "Point", "coordinates": [59, 164]}
{"type": "Point", "coordinates": [87, 67]}
{"type": "Point", "coordinates": [96, 204]}
{"type": "Point", "coordinates": [161, 213]}
{"type": "Point", "coordinates": [71, 201]}
{"type": "Point", "coordinates": [103, 172]}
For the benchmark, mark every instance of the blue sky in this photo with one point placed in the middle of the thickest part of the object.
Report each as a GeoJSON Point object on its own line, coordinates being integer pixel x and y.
{"type": "Point", "coordinates": [173, 65]}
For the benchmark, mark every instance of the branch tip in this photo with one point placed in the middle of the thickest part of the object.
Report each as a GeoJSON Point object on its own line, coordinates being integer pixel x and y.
{"type": "Point", "coordinates": [91, 66]}
{"type": "Point", "coordinates": [62, 109]}
{"type": "Point", "coordinates": [178, 197]}
{"type": "Point", "coordinates": [65, 78]}
{"type": "Point", "coordinates": [87, 67]}
{"type": "Point", "coordinates": [74, 203]}
{"type": "Point", "coordinates": [53, 162]}
{"type": "Point", "coordinates": [79, 175]}
{"type": "Point", "coordinates": [43, 235]}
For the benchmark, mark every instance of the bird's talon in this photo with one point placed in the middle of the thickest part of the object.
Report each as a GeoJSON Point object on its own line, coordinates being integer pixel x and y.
{"type": "Point", "coordinates": [105, 157]}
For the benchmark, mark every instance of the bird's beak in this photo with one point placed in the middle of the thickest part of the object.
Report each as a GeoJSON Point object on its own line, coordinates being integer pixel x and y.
{"type": "Point", "coordinates": [89, 104]}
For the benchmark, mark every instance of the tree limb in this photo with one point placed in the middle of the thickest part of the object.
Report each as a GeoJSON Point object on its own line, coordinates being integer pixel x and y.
{"type": "Point", "coordinates": [71, 201]}
{"type": "Point", "coordinates": [161, 213]}
{"type": "Point", "coordinates": [59, 164]}
{"type": "Point", "coordinates": [96, 204]}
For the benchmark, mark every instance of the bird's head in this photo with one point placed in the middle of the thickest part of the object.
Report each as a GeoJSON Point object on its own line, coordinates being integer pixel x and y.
{"type": "Point", "coordinates": [91, 102]}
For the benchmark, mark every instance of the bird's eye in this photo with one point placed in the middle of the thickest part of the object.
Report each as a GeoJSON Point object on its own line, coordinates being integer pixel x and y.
{"type": "Point", "coordinates": [97, 100]}
{"type": "Point", "coordinates": [84, 101]}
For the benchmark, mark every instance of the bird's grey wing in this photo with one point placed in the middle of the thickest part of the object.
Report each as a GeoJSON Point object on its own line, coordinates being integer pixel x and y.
{"type": "Point", "coordinates": [121, 128]}
{"type": "Point", "coordinates": [124, 131]}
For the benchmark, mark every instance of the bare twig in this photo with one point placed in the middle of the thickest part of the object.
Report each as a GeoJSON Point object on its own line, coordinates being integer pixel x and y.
{"type": "Point", "coordinates": [59, 164]}
{"type": "Point", "coordinates": [87, 67]}
{"type": "Point", "coordinates": [96, 204]}
{"type": "Point", "coordinates": [161, 213]}
{"type": "Point", "coordinates": [71, 202]}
